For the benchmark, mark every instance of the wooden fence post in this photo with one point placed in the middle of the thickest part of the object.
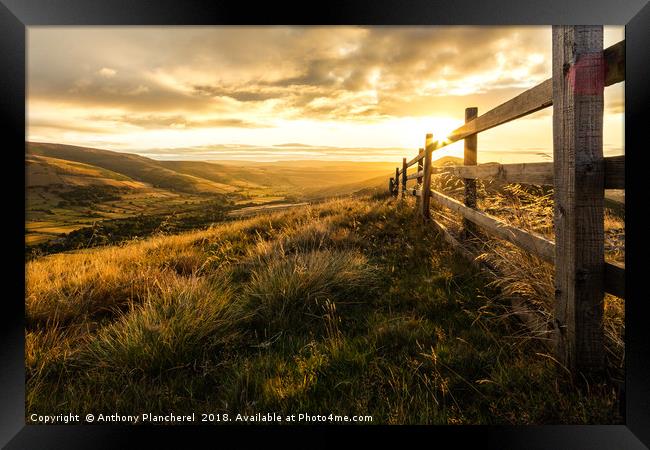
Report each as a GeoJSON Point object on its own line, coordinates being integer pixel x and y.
{"type": "Point", "coordinates": [396, 191]}
{"type": "Point", "coordinates": [469, 159]}
{"type": "Point", "coordinates": [418, 180]}
{"type": "Point", "coordinates": [390, 186]}
{"type": "Point", "coordinates": [404, 178]}
{"type": "Point", "coordinates": [578, 83]}
{"type": "Point", "coordinates": [426, 181]}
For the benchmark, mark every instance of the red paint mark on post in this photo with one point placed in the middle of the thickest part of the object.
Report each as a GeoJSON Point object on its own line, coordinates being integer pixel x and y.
{"type": "Point", "coordinates": [587, 75]}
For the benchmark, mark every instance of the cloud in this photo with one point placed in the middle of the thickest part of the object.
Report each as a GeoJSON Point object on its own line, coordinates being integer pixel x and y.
{"type": "Point", "coordinates": [293, 145]}
{"type": "Point", "coordinates": [107, 72]}
{"type": "Point", "coordinates": [154, 121]}
{"type": "Point", "coordinates": [345, 73]}
{"type": "Point", "coordinates": [241, 95]}
{"type": "Point", "coordinates": [225, 84]}
{"type": "Point", "coordinates": [220, 152]}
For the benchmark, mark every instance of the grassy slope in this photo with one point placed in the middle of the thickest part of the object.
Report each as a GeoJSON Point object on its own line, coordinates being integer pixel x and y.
{"type": "Point", "coordinates": [136, 167]}
{"type": "Point", "coordinates": [217, 173]}
{"type": "Point", "coordinates": [73, 187]}
{"type": "Point", "coordinates": [310, 179]}
{"type": "Point", "coordinates": [348, 307]}
{"type": "Point", "coordinates": [375, 184]}
{"type": "Point", "coordinates": [46, 171]}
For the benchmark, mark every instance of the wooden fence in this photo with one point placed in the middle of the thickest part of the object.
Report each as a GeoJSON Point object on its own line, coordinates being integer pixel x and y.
{"type": "Point", "coordinates": [579, 174]}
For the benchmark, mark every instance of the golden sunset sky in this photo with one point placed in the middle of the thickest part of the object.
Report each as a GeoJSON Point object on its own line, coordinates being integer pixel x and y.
{"type": "Point", "coordinates": [288, 93]}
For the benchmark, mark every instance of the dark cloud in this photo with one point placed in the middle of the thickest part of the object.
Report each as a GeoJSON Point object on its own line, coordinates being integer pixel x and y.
{"type": "Point", "coordinates": [317, 72]}
{"type": "Point", "coordinates": [68, 126]}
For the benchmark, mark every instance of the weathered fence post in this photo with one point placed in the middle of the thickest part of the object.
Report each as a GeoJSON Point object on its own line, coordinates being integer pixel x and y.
{"type": "Point", "coordinates": [396, 191]}
{"type": "Point", "coordinates": [404, 178]}
{"type": "Point", "coordinates": [469, 159]}
{"type": "Point", "coordinates": [426, 178]}
{"type": "Point", "coordinates": [418, 180]}
{"type": "Point", "coordinates": [578, 83]}
{"type": "Point", "coordinates": [390, 186]}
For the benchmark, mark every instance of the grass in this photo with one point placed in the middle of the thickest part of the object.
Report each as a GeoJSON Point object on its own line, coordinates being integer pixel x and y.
{"type": "Point", "coordinates": [347, 307]}
{"type": "Point", "coordinates": [527, 277]}
{"type": "Point", "coordinates": [288, 294]}
{"type": "Point", "coordinates": [181, 323]}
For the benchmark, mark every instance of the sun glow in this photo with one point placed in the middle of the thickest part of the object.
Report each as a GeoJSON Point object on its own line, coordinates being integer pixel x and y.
{"type": "Point", "coordinates": [414, 129]}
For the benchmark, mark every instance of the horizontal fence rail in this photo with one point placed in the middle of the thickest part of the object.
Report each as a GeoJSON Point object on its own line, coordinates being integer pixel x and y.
{"type": "Point", "coordinates": [615, 278]}
{"type": "Point", "coordinates": [534, 99]}
{"type": "Point", "coordinates": [580, 73]}
{"type": "Point", "coordinates": [530, 173]}
{"type": "Point", "coordinates": [536, 244]}
{"type": "Point", "coordinates": [532, 242]}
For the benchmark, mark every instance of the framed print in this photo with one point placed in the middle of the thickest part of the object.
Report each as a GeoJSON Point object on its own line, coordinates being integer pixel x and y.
{"type": "Point", "coordinates": [415, 218]}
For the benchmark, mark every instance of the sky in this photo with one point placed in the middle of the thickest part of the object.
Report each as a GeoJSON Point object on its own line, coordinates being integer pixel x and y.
{"type": "Point", "coordinates": [288, 93]}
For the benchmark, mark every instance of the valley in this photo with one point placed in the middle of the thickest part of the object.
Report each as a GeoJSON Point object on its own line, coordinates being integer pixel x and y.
{"type": "Point", "coordinates": [79, 197]}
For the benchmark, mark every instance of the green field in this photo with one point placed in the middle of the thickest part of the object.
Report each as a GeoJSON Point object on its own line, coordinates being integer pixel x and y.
{"type": "Point", "coordinates": [73, 189]}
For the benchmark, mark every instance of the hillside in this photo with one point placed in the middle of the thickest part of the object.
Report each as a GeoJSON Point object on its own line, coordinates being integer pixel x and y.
{"type": "Point", "coordinates": [136, 167]}
{"type": "Point", "coordinates": [215, 172]}
{"type": "Point", "coordinates": [47, 171]}
{"type": "Point", "coordinates": [306, 178]}
{"type": "Point", "coordinates": [216, 177]}
{"type": "Point", "coordinates": [65, 196]}
{"type": "Point", "coordinates": [120, 195]}
{"type": "Point", "coordinates": [446, 161]}
{"type": "Point", "coordinates": [321, 309]}
{"type": "Point", "coordinates": [372, 185]}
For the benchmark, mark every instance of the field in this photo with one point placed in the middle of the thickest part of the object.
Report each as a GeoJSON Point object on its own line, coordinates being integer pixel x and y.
{"type": "Point", "coordinates": [80, 197]}
{"type": "Point", "coordinates": [220, 287]}
{"type": "Point", "coordinates": [348, 306]}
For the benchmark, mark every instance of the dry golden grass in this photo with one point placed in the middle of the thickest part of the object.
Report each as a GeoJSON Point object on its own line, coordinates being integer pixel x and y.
{"type": "Point", "coordinates": [71, 286]}
{"type": "Point", "coordinates": [523, 275]}
{"type": "Point", "coordinates": [349, 306]}
{"type": "Point", "coordinates": [84, 284]}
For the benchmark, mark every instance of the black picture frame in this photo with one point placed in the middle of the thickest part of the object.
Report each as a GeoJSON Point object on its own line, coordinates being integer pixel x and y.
{"type": "Point", "coordinates": [16, 15]}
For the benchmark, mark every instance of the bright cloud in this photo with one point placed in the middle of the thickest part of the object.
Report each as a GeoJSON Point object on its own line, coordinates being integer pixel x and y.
{"type": "Point", "coordinates": [106, 72]}
{"type": "Point", "coordinates": [144, 89]}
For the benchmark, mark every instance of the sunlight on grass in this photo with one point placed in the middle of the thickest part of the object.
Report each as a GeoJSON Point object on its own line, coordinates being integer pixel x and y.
{"type": "Point", "coordinates": [349, 306]}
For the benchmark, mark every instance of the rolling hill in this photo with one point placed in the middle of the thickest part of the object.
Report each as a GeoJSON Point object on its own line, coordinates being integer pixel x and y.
{"type": "Point", "coordinates": [303, 178]}
{"type": "Point", "coordinates": [47, 171]}
{"type": "Point", "coordinates": [138, 168]}
{"type": "Point", "coordinates": [70, 188]}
